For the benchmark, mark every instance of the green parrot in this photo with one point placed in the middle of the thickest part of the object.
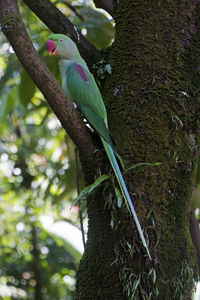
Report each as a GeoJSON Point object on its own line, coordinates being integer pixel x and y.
{"type": "Point", "coordinates": [81, 88]}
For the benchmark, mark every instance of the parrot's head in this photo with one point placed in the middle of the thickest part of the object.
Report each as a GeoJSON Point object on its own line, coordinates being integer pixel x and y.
{"type": "Point", "coordinates": [61, 46]}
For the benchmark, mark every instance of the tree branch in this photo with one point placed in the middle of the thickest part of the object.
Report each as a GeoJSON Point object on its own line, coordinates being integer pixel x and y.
{"type": "Point", "coordinates": [15, 31]}
{"type": "Point", "coordinates": [105, 4]}
{"type": "Point", "coordinates": [59, 23]}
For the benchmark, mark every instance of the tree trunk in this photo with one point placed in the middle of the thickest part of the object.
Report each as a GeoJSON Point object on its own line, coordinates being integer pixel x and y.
{"type": "Point", "coordinates": [152, 99]}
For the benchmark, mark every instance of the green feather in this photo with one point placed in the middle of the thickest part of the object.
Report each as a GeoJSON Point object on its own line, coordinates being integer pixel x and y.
{"type": "Point", "coordinates": [97, 122]}
{"type": "Point", "coordinates": [114, 164]}
{"type": "Point", "coordinates": [86, 94]}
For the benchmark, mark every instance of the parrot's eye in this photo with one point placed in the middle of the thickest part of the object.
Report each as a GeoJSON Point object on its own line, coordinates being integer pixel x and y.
{"type": "Point", "coordinates": [60, 40]}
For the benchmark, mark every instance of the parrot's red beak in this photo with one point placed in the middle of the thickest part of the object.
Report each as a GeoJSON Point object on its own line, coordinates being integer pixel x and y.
{"type": "Point", "coordinates": [51, 47]}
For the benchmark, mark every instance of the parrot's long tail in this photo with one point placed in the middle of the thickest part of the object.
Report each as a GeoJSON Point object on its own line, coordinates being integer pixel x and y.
{"type": "Point", "coordinates": [124, 190]}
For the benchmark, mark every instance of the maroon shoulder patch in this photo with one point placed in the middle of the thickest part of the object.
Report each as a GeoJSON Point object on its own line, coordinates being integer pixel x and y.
{"type": "Point", "coordinates": [81, 72]}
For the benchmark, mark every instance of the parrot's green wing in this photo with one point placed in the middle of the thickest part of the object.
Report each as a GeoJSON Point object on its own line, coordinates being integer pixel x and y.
{"type": "Point", "coordinates": [83, 90]}
{"type": "Point", "coordinates": [97, 122]}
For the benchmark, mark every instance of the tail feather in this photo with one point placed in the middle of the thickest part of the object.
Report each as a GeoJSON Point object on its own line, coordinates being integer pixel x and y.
{"type": "Point", "coordinates": [124, 190]}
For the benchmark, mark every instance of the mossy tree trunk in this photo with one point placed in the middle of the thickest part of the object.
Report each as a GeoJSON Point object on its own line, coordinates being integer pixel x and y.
{"type": "Point", "coordinates": [152, 98]}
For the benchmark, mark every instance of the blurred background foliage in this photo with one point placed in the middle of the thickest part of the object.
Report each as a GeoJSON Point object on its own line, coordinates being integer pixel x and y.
{"type": "Point", "coordinates": [40, 239]}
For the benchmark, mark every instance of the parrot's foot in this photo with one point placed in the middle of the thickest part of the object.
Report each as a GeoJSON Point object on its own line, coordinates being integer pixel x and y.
{"type": "Point", "coordinates": [74, 104]}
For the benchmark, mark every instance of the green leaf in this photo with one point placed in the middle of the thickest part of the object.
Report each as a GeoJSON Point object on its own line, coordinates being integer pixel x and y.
{"type": "Point", "coordinates": [108, 68]}
{"type": "Point", "coordinates": [119, 196]}
{"type": "Point", "coordinates": [26, 88]}
{"type": "Point", "coordinates": [90, 188]}
{"type": "Point", "coordinates": [100, 30]}
{"type": "Point", "coordinates": [12, 65]}
{"type": "Point", "coordinates": [112, 223]}
{"type": "Point", "coordinates": [121, 161]}
{"type": "Point", "coordinates": [63, 240]}
{"type": "Point", "coordinates": [11, 102]}
{"type": "Point", "coordinates": [142, 165]}
{"type": "Point", "coordinates": [5, 106]}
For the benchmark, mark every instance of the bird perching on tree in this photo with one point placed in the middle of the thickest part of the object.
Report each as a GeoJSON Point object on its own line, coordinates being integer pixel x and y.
{"type": "Point", "coordinates": [80, 86]}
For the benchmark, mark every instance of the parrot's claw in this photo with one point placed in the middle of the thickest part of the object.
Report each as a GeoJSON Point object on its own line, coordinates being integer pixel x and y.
{"type": "Point", "coordinates": [74, 104]}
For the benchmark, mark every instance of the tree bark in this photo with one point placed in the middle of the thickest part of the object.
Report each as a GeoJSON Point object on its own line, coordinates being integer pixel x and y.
{"type": "Point", "coordinates": [153, 106]}
{"type": "Point", "coordinates": [153, 111]}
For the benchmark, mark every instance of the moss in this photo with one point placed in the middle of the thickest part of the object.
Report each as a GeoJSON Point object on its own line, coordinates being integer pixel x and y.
{"type": "Point", "coordinates": [153, 112]}
{"type": "Point", "coordinates": [9, 21]}
{"type": "Point", "coordinates": [156, 83]}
